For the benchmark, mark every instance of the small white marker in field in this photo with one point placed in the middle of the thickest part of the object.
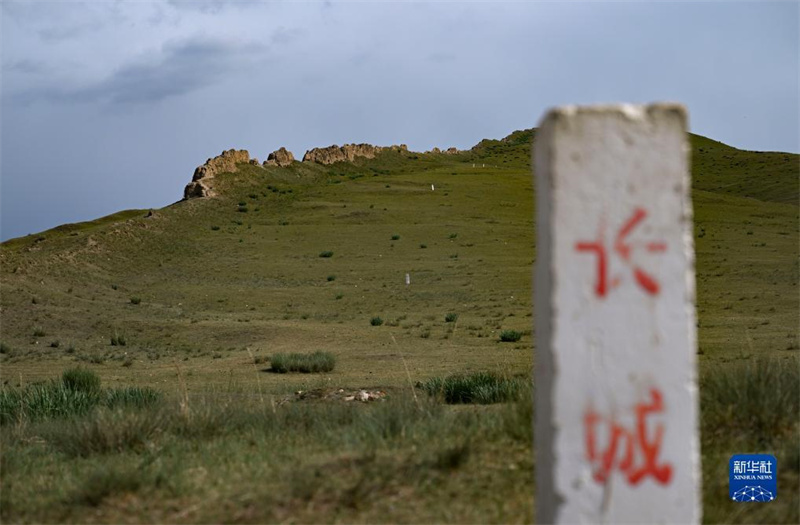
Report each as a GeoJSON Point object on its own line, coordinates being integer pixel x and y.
{"type": "Point", "coordinates": [432, 188]}
{"type": "Point", "coordinates": [408, 279]}
{"type": "Point", "coordinates": [615, 374]}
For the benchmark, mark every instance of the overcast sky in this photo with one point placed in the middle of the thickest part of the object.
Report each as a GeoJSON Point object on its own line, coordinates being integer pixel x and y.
{"type": "Point", "coordinates": [108, 105]}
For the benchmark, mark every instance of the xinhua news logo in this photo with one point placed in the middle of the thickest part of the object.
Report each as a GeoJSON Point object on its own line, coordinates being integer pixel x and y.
{"type": "Point", "coordinates": [753, 478]}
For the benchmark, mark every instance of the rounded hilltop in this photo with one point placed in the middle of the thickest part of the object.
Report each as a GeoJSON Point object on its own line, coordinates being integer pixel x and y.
{"type": "Point", "coordinates": [228, 160]}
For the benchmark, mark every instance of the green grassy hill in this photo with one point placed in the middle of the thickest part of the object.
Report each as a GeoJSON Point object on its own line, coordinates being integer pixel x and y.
{"type": "Point", "coordinates": [196, 297]}
{"type": "Point", "coordinates": [218, 275]}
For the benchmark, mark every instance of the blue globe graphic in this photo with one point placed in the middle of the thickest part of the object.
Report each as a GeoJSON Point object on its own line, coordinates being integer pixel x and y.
{"type": "Point", "coordinates": [755, 493]}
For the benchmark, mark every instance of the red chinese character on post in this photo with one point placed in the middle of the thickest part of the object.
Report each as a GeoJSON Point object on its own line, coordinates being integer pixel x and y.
{"type": "Point", "coordinates": [630, 443]}
{"type": "Point", "coordinates": [622, 247]}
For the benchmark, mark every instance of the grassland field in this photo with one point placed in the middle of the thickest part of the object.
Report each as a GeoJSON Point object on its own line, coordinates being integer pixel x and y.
{"type": "Point", "coordinates": [192, 301]}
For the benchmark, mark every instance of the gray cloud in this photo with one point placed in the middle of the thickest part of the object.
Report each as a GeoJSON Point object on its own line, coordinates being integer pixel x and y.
{"type": "Point", "coordinates": [203, 6]}
{"type": "Point", "coordinates": [57, 33]}
{"type": "Point", "coordinates": [213, 6]}
{"type": "Point", "coordinates": [26, 66]}
{"type": "Point", "coordinates": [178, 69]}
{"type": "Point", "coordinates": [285, 35]}
{"type": "Point", "coordinates": [441, 58]}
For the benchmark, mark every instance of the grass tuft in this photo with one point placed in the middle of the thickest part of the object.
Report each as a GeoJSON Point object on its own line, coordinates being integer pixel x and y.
{"type": "Point", "coordinates": [510, 336]}
{"type": "Point", "coordinates": [78, 393]}
{"type": "Point", "coordinates": [376, 321]}
{"type": "Point", "coordinates": [81, 380]}
{"type": "Point", "coordinates": [44, 401]}
{"type": "Point", "coordinates": [479, 388]}
{"type": "Point", "coordinates": [131, 397]}
{"type": "Point", "coordinates": [313, 363]}
{"type": "Point", "coordinates": [104, 432]}
{"type": "Point", "coordinates": [754, 401]}
{"type": "Point", "coordinates": [106, 481]}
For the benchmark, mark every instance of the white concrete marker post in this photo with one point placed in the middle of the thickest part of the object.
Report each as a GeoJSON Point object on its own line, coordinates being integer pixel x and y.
{"type": "Point", "coordinates": [615, 373]}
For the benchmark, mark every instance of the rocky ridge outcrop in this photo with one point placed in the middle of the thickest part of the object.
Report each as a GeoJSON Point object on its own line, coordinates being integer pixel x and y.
{"type": "Point", "coordinates": [347, 153]}
{"type": "Point", "coordinates": [227, 162]}
{"type": "Point", "coordinates": [280, 157]}
{"type": "Point", "coordinates": [448, 151]}
{"type": "Point", "coordinates": [223, 163]}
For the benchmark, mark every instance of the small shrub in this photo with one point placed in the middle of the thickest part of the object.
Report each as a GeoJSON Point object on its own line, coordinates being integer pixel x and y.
{"type": "Point", "coordinates": [306, 363]}
{"type": "Point", "coordinates": [326, 254]}
{"type": "Point", "coordinates": [55, 344]}
{"type": "Point", "coordinates": [339, 296]}
{"type": "Point", "coordinates": [452, 236]}
{"type": "Point", "coordinates": [480, 388]}
{"type": "Point", "coordinates": [451, 317]}
{"type": "Point", "coordinates": [376, 321]}
{"type": "Point", "coordinates": [395, 237]}
{"type": "Point", "coordinates": [136, 300]}
{"type": "Point", "coordinates": [215, 228]}
{"type": "Point", "coordinates": [5, 349]}
{"type": "Point", "coordinates": [423, 246]}
{"type": "Point", "coordinates": [331, 278]}
{"type": "Point", "coordinates": [127, 362]}
{"type": "Point", "coordinates": [38, 331]}
{"type": "Point", "coordinates": [118, 340]}
{"type": "Point", "coordinates": [510, 336]}
{"type": "Point", "coordinates": [114, 287]}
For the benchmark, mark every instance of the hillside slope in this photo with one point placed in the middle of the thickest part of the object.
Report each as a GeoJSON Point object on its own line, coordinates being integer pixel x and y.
{"type": "Point", "coordinates": [206, 282]}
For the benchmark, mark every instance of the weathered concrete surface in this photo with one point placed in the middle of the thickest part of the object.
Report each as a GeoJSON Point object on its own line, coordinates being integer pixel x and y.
{"type": "Point", "coordinates": [616, 420]}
